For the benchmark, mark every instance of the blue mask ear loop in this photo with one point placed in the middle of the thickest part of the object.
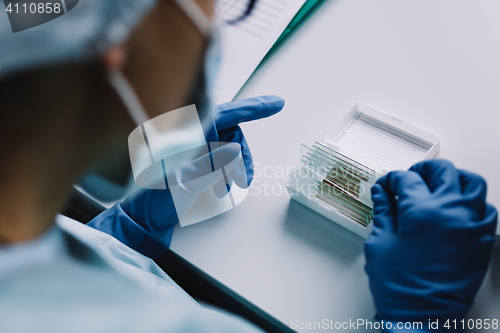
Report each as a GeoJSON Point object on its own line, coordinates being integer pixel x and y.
{"type": "Point", "coordinates": [212, 63]}
{"type": "Point", "coordinates": [123, 87]}
{"type": "Point", "coordinates": [128, 97]}
{"type": "Point", "coordinates": [207, 29]}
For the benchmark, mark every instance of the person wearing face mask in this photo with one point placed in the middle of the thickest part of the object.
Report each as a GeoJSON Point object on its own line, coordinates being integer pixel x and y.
{"type": "Point", "coordinates": [70, 99]}
{"type": "Point", "coordinates": [73, 90]}
{"type": "Point", "coordinates": [145, 220]}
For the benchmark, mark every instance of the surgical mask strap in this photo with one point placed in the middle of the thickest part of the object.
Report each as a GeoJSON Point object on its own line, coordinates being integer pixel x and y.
{"type": "Point", "coordinates": [197, 16]}
{"type": "Point", "coordinates": [128, 97]}
{"type": "Point", "coordinates": [123, 87]}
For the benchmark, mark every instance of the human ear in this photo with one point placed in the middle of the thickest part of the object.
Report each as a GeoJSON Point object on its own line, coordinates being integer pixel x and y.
{"type": "Point", "coordinates": [114, 58]}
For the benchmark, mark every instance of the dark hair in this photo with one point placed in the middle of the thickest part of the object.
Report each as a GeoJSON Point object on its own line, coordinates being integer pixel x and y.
{"type": "Point", "coordinates": [32, 101]}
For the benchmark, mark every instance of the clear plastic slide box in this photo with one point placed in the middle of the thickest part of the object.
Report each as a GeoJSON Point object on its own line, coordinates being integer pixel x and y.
{"type": "Point", "coordinates": [336, 175]}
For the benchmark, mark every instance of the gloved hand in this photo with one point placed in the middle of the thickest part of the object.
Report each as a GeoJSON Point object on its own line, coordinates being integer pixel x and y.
{"type": "Point", "coordinates": [431, 243]}
{"type": "Point", "coordinates": [227, 129]}
{"type": "Point", "coordinates": [146, 223]}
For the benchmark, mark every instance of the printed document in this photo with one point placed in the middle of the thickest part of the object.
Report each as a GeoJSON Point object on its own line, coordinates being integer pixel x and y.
{"type": "Point", "coordinates": [246, 43]}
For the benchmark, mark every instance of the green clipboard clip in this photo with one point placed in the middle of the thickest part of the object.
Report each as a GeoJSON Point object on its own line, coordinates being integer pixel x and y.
{"type": "Point", "coordinates": [303, 11]}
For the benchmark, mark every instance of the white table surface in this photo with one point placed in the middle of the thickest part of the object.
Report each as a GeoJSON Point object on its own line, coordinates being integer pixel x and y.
{"type": "Point", "coordinates": [434, 64]}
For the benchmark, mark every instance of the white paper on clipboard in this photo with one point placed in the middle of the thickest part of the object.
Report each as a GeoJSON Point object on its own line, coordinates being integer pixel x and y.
{"type": "Point", "coordinates": [246, 43]}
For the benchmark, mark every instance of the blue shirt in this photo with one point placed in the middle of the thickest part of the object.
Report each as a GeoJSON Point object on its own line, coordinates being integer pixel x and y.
{"type": "Point", "coordinates": [78, 279]}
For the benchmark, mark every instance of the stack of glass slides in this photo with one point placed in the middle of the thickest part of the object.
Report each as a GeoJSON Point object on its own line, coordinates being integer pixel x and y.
{"type": "Point", "coordinates": [335, 178]}
{"type": "Point", "coordinates": [338, 181]}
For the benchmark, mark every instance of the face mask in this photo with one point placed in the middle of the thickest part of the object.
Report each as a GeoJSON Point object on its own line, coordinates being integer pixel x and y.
{"type": "Point", "coordinates": [160, 145]}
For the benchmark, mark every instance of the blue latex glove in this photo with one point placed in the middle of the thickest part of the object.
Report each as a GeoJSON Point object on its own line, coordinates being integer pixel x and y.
{"type": "Point", "coordinates": [154, 213]}
{"type": "Point", "coordinates": [227, 129]}
{"type": "Point", "coordinates": [146, 223]}
{"type": "Point", "coordinates": [431, 243]}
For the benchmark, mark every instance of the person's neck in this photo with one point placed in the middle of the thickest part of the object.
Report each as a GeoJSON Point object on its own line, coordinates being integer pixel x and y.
{"type": "Point", "coordinates": [33, 191]}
